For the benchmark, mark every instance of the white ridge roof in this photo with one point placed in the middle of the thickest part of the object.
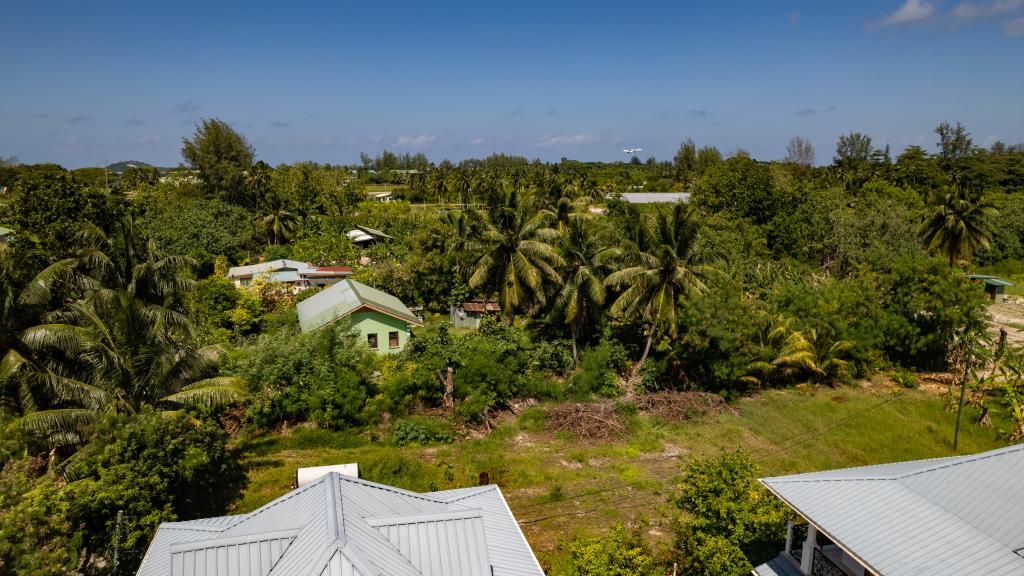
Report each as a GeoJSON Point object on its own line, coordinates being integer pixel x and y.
{"type": "Point", "coordinates": [343, 526]}
{"type": "Point", "coordinates": [945, 516]}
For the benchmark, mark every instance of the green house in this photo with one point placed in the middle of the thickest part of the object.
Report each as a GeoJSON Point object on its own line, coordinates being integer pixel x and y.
{"type": "Point", "coordinates": [995, 287]}
{"type": "Point", "coordinates": [381, 319]}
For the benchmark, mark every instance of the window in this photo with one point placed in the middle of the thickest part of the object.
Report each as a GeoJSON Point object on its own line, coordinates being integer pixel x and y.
{"type": "Point", "coordinates": [371, 339]}
{"type": "Point", "coordinates": [393, 339]}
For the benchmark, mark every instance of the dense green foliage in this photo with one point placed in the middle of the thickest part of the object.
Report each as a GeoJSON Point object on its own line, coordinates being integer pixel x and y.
{"type": "Point", "coordinates": [621, 553]}
{"type": "Point", "coordinates": [731, 517]}
{"type": "Point", "coordinates": [115, 306]}
{"type": "Point", "coordinates": [151, 468]}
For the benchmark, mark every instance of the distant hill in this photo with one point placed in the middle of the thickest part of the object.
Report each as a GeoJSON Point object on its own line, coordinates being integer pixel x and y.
{"type": "Point", "coordinates": [119, 167]}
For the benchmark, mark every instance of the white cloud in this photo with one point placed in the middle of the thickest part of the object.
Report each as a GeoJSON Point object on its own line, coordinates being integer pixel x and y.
{"type": "Point", "coordinates": [421, 140]}
{"type": "Point", "coordinates": [571, 140]}
{"type": "Point", "coordinates": [967, 11]}
{"type": "Point", "coordinates": [911, 12]}
{"type": "Point", "coordinates": [477, 142]}
{"type": "Point", "coordinates": [1014, 27]}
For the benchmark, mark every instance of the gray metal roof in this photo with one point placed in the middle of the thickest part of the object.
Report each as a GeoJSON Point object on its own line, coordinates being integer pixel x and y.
{"type": "Point", "coordinates": [945, 516]}
{"type": "Point", "coordinates": [344, 298]}
{"type": "Point", "coordinates": [655, 197]}
{"type": "Point", "coordinates": [778, 566]}
{"type": "Point", "coordinates": [343, 526]}
{"type": "Point", "coordinates": [265, 267]}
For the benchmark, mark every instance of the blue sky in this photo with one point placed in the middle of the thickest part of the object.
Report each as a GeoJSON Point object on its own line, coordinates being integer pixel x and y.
{"type": "Point", "coordinates": [88, 83]}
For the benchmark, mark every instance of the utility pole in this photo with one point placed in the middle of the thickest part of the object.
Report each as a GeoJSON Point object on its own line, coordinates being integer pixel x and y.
{"type": "Point", "coordinates": [963, 392]}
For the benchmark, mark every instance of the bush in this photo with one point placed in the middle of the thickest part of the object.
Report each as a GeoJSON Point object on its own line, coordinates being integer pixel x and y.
{"type": "Point", "coordinates": [35, 536]}
{"type": "Point", "coordinates": [153, 467]}
{"type": "Point", "coordinates": [730, 512]}
{"type": "Point", "coordinates": [156, 469]}
{"type": "Point", "coordinates": [599, 370]}
{"type": "Point", "coordinates": [421, 431]}
{"type": "Point", "coordinates": [621, 552]}
{"type": "Point", "coordinates": [316, 377]}
{"type": "Point", "coordinates": [716, 556]}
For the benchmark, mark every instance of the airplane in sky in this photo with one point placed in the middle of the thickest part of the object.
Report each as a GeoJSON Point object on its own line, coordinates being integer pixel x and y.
{"type": "Point", "coordinates": [631, 150]}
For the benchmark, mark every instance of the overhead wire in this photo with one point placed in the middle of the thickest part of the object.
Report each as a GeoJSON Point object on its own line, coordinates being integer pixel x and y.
{"type": "Point", "coordinates": [780, 448]}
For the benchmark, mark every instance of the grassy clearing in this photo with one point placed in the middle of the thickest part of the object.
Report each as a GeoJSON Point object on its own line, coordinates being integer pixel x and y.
{"type": "Point", "coordinates": [556, 484]}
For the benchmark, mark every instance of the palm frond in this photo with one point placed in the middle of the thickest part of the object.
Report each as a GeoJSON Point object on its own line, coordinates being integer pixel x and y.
{"type": "Point", "coordinates": [218, 391]}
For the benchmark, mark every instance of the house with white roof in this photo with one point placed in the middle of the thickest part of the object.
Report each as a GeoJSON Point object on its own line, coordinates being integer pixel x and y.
{"type": "Point", "coordinates": [298, 275]}
{"type": "Point", "coordinates": [954, 516]}
{"type": "Point", "coordinates": [343, 526]}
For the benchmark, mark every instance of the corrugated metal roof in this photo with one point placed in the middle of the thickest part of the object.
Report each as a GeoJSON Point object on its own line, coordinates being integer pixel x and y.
{"type": "Point", "coordinates": [655, 197]}
{"type": "Point", "coordinates": [477, 306]}
{"type": "Point", "coordinates": [342, 526]}
{"type": "Point", "coordinates": [778, 566]}
{"type": "Point", "coordinates": [946, 516]}
{"type": "Point", "coordinates": [344, 298]}
{"type": "Point", "coordinates": [265, 267]}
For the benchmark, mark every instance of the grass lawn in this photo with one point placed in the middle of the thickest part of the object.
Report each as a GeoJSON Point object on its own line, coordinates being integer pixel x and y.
{"type": "Point", "coordinates": [556, 484]}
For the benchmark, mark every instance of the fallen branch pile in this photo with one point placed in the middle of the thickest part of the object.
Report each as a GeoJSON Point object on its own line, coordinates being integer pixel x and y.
{"type": "Point", "coordinates": [680, 406]}
{"type": "Point", "coordinates": [588, 421]}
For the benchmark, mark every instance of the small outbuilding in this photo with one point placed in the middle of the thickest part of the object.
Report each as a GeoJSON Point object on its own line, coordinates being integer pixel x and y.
{"type": "Point", "coordinates": [995, 287]}
{"type": "Point", "coordinates": [382, 320]}
{"type": "Point", "coordinates": [364, 235]}
{"type": "Point", "coordinates": [468, 314]}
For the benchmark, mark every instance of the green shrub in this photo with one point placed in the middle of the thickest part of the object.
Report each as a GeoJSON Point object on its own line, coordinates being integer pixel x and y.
{"type": "Point", "coordinates": [599, 370]}
{"type": "Point", "coordinates": [715, 556]}
{"type": "Point", "coordinates": [315, 377]}
{"type": "Point", "coordinates": [621, 552]}
{"type": "Point", "coordinates": [36, 538]}
{"type": "Point", "coordinates": [421, 431]}
{"type": "Point", "coordinates": [727, 505]}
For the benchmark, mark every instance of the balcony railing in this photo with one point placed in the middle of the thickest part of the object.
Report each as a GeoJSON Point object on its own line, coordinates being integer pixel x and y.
{"type": "Point", "coordinates": [796, 543]}
{"type": "Point", "coordinates": [823, 566]}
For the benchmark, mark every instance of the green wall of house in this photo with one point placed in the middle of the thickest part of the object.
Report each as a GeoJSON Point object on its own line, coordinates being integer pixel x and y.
{"type": "Point", "coordinates": [371, 322]}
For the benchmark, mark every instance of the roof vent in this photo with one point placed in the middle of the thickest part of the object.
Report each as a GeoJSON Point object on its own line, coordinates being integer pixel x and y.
{"type": "Point", "coordinates": [305, 476]}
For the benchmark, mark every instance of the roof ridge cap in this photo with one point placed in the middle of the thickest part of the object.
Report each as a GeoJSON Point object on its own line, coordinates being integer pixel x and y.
{"type": "Point", "coordinates": [471, 492]}
{"type": "Point", "coordinates": [388, 488]}
{"type": "Point", "coordinates": [958, 460]}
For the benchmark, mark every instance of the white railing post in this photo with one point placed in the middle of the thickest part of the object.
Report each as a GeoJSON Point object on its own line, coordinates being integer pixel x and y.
{"type": "Point", "coordinates": [807, 555]}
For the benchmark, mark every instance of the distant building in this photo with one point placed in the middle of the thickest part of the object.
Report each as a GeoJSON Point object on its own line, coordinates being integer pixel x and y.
{"type": "Point", "coordinates": [382, 320]}
{"type": "Point", "coordinates": [364, 235]}
{"type": "Point", "coordinates": [941, 517]}
{"type": "Point", "coordinates": [298, 275]}
{"type": "Point", "coordinates": [995, 287]}
{"type": "Point", "coordinates": [655, 197]}
{"type": "Point", "coordinates": [338, 525]}
{"type": "Point", "coordinates": [468, 314]}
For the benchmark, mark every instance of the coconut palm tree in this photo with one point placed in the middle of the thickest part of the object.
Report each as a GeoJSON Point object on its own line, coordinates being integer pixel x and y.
{"type": "Point", "coordinates": [959, 225]}
{"type": "Point", "coordinates": [124, 344]}
{"type": "Point", "coordinates": [519, 257]}
{"type": "Point", "coordinates": [811, 354]}
{"type": "Point", "coordinates": [279, 226]}
{"type": "Point", "coordinates": [582, 296]}
{"type": "Point", "coordinates": [663, 271]}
